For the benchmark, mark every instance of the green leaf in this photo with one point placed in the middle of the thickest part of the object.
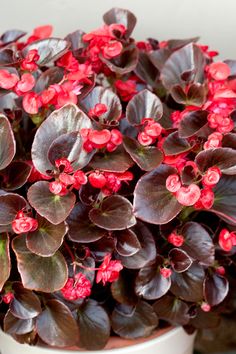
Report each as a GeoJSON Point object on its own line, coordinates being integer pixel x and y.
{"type": "Point", "coordinates": [94, 326]}
{"type": "Point", "coordinates": [5, 261]}
{"type": "Point", "coordinates": [146, 157]}
{"type": "Point", "coordinates": [153, 203]}
{"type": "Point", "coordinates": [7, 142]}
{"type": "Point", "coordinates": [56, 326]}
{"type": "Point", "coordinates": [115, 213]}
{"type": "Point", "coordinates": [47, 239]}
{"type": "Point", "coordinates": [47, 274]}
{"type": "Point", "coordinates": [53, 207]}
{"type": "Point", "coordinates": [134, 322]}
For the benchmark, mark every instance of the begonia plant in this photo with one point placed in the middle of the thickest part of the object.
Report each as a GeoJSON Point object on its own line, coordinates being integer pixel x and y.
{"type": "Point", "coordinates": [118, 186]}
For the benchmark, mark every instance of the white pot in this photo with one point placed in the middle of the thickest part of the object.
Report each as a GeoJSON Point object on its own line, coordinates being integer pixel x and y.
{"type": "Point", "coordinates": [174, 341]}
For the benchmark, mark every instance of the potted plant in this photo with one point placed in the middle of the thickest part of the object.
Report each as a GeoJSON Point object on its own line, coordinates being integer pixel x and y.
{"type": "Point", "coordinates": [118, 190]}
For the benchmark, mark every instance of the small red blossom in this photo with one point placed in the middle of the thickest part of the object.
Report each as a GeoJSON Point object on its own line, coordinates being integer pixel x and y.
{"type": "Point", "coordinates": [97, 179]}
{"type": "Point", "coordinates": [211, 177]}
{"type": "Point", "coordinates": [76, 288]}
{"type": "Point", "coordinates": [25, 84]}
{"type": "Point", "coordinates": [166, 272]}
{"type": "Point", "coordinates": [214, 141]}
{"type": "Point", "coordinates": [112, 49]}
{"type": "Point", "coordinates": [227, 240]}
{"type": "Point", "coordinates": [42, 32]}
{"type": "Point", "coordinates": [126, 89]}
{"type": "Point", "coordinates": [66, 179]}
{"type": "Point", "coordinates": [109, 270]}
{"type": "Point", "coordinates": [98, 110]}
{"type": "Point", "coordinates": [69, 62]}
{"type": "Point", "coordinates": [99, 138]}
{"type": "Point", "coordinates": [188, 195]}
{"type": "Point", "coordinates": [35, 175]}
{"type": "Point", "coordinates": [206, 199]}
{"type": "Point", "coordinates": [205, 307]}
{"type": "Point", "coordinates": [80, 179]}
{"type": "Point", "coordinates": [31, 103]}
{"type": "Point", "coordinates": [220, 270]}
{"type": "Point", "coordinates": [173, 183]}
{"type": "Point", "coordinates": [219, 71]}
{"type": "Point", "coordinates": [24, 224]}
{"type": "Point", "coordinates": [153, 129]}
{"type": "Point", "coordinates": [145, 139]}
{"type": "Point", "coordinates": [58, 188]}
{"type": "Point", "coordinates": [64, 165]}
{"type": "Point", "coordinates": [29, 63]}
{"type": "Point", "coordinates": [175, 239]}
{"type": "Point", "coordinates": [7, 80]}
{"type": "Point", "coordinates": [8, 297]}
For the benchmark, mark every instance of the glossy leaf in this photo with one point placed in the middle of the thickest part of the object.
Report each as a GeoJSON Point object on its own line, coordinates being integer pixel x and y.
{"type": "Point", "coordinates": [126, 62]}
{"type": "Point", "coordinates": [150, 284]}
{"type": "Point", "coordinates": [99, 249]}
{"type": "Point", "coordinates": [116, 161]}
{"type": "Point", "coordinates": [56, 326]}
{"type": "Point", "coordinates": [47, 274]}
{"type": "Point", "coordinates": [225, 197]}
{"type": "Point", "coordinates": [146, 254]}
{"type": "Point", "coordinates": [180, 260]}
{"type": "Point", "coordinates": [65, 120]}
{"type": "Point", "coordinates": [146, 70]}
{"type": "Point", "coordinates": [123, 289]}
{"type": "Point", "coordinates": [25, 304]}
{"type": "Point", "coordinates": [76, 40]}
{"type": "Point", "coordinates": [224, 158]}
{"type": "Point", "coordinates": [13, 325]}
{"type": "Point", "coordinates": [143, 105]}
{"type": "Point", "coordinates": [121, 16]}
{"type": "Point", "coordinates": [127, 242]}
{"type": "Point", "coordinates": [81, 229]}
{"type": "Point", "coordinates": [188, 285]}
{"type": "Point", "coordinates": [195, 96]}
{"type": "Point", "coordinates": [204, 319]}
{"type": "Point", "coordinates": [198, 243]}
{"type": "Point", "coordinates": [94, 326]}
{"type": "Point", "coordinates": [172, 309]}
{"type": "Point", "coordinates": [5, 261]}
{"type": "Point", "coordinates": [174, 145]}
{"type": "Point", "coordinates": [192, 122]}
{"type": "Point", "coordinates": [49, 49]}
{"type": "Point", "coordinates": [153, 203]}
{"type": "Point", "coordinates": [47, 239]}
{"type": "Point", "coordinates": [174, 44]}
{"type": "Point", "coordinates": [186, 59]}
{"type": "Point", "coordinates": [159, 57]}
{"type": "Point", "coordinates": [53, 207]}
{"type": "Point", "coordinates": [49, 77]}
{"type": "Point", "coordinates": [115, 213]}
{"type": "Point", "coordinates": [216, 288]}
{"type": "Point", "coordinates": [16, 175]}
{"type": "Point", "coordinates": [229, 141]}
{"type": "Point", "coordinates": [7, 142]}
{"type": "Point", "coordinates": [146, 157]}
{"type": "Point", "coordinates": [134, 322]}
{"type": "Point", "coordinates": [103, 96]}
{"type": "Point", "coordinates": [12, 36]}
{"type": "Point", "coordinates": [10, 205]}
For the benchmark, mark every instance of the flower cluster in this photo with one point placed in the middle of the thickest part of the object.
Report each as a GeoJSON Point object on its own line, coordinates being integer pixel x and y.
{"type": "Point", "coordinates": [117, 184]}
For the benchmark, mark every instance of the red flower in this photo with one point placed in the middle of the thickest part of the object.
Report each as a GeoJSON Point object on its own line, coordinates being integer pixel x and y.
{"type": "Point", "coordinates": [66, 179]}
{"type": "Point", "coordinates": [145, 139]}
{"type": "Point", "coordinates": [63, 165]}
{"type": "Point", "coordinates": [227, 240]}
{"type": "Point", "coordinates": [24, 224]}
{"type": "Point", "coordinates": [35, 175]}
{"type": "Point", "coordinates": [29, 63]}
{"type": "Point", "coordinates": [205, 307]}
{"type": "Point", "coordinates": [98, 110]}
{"type": "Point", "coordinates": [214, 141]}
{"type": "Point", "coordinates": [109, 270]}
{"type": "Point", "coordinates": [31, 103]}
{"type": "Point", "coordinates": [42, 32]}
{"type": "Point", "coordinates": [165, 272]}
{"type": "Point", "coordinates": [25, 84]}
{"type": "Point", "coordinates": [76, 288]}
{"type": "Point", "coordinates": [219, 71]}
{"type": "Point", "coordinates": [153, 129]}
{"type": "Point", "coordinates": [68, 61]}
{"type": "Point", "coordinates": [206, 199]}
{"type": "Point", "coordinates": [7, 79]}
{"type": "Point", "coordinates": [8, 297]}
{"type": "Point", "coordinates": [175, 239]}
{"type": "Point", "coordinates": [211, 177]}
{"type": "Point", "coordinates": [80, 179]}
{"type": "Point", "coordinates": [58, 188]}
{"type": "Point", "coordinates": [112, 49]}
{"type": "Point", "coordinates": [97, 179]}
{"type": "Point", "coordinates": [188, 195]}
{"type": "Point", "coordinates": [126, 89]}
{"type": "Point", "coordinates": [173, 183]}
{"type": "Point", "coordinates": [100, 138]}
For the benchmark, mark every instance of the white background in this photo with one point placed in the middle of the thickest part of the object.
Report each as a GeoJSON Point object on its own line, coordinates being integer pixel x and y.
{"type": "Point", "coordinates": [213, 20]}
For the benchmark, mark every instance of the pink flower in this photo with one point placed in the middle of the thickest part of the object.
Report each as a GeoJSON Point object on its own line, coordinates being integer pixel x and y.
{"type": "Point", "coordinates": [31, 103]}
{"type": "Point", "coordinates": [7, 79]}
{"type": "Point", "coordinates": [98, 110]}
{"type": "Point", "coordinates": [8, 297]}
{"type": "Point", "coordinates": [211, 177]}
{"type": "Point", "coordinates": [97, 179]}
{"type": "Point", "coordinates": [109, 270]}
{"type": "Point", "coordinates": [126, 89]}
{"type": "Point", "coordinates": [76, 288]}
{"type": "Point", "coordinates": [205, 307]}
{"type": "Point", "coordinates": [206, 199]}
{"type": "Point", "coordinates": [64, 165]}
{"type": "Point", "coordinates": [214, 141]}
{"type": "Point", "coordinates": [25, 84]}
{"type": "Point", "coordinates": [219, 71]}
{"type": "Point", "coordinates": [175, 239]}
{"type": "Point", "coordinates": [173, 183]}
{"type": "Point", "coordinates": [227, 240]}
{"type": "Point", "coordinates": [112, 49]}
{"type": "Point", "coordinates": [29, 63]}
{"type": "Point", "coordinates": [145, 139]}
{"type": "Point", "coordinates": [165, 272]}
{"type": "Point", "coordinates": [188, 195]}
{"type": "Point", "coordinates": [24, 224]}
